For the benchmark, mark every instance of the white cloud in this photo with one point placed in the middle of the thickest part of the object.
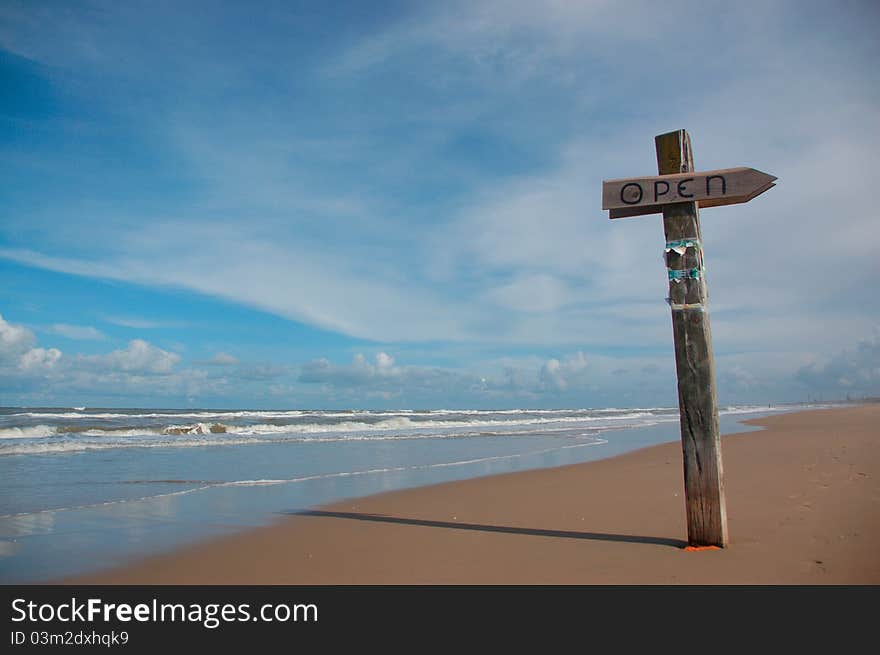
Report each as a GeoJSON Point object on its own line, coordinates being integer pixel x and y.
{"type": "Point", "coordinates": [223, 359]}
{"type": "Point", "coordinates": [139, 357]}
{"type": "Point", "coordinates": [516, 379]}
{"type": "Point", "coordinates": [360, 372]}
{"type": "Point", "coordinates": [39, 360]}
{"type": "Point", "coordinates": [77, 332]}
{"type": "Point", "coordinates": [566, 375]}
{"type": "Point", "coordinates": [259, 372]}
{"type": "Point", "coordinates": [296, 281]}
{"type": "Point", "coordinates": [18, 352]}
{"type": "Point", "coordinates": [384, 362]}
{"type": "Point", "coordinates": [383, 375]}
{"type": "Point", "coordinates": [525, 257]}
{"type": "Point", "coordinates": [539, 293]}
{"type": "Point", "coordinates": [15, 341]}
{"type": "Point", "coordinates": [140, 372]}
{"type": "Point", "coordinates": [518, 40]}
{"type": "Point", "coordinates": [130, 322]}
{"type": "Point", "coordinates": [853, 370]}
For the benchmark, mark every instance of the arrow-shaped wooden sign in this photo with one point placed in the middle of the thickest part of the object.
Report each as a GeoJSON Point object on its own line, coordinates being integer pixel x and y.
{"type": "Point", "coordinates": [636, 196]}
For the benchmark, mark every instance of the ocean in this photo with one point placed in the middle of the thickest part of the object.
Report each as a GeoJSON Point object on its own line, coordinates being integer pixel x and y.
{"type": "Point", "coordinates": [83, 489]}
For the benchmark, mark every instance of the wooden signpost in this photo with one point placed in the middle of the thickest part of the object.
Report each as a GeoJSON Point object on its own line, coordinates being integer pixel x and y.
{"type": "Point", "coordinates": [678, 192]}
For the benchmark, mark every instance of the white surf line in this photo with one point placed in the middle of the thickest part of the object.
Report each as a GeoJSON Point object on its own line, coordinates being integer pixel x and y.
{"type": "Point", "coordinates": [106, 503]}
{"type": "Point", "coordinates": [285, 436]}
{"type": "Point", "coordinates": [320, 476]}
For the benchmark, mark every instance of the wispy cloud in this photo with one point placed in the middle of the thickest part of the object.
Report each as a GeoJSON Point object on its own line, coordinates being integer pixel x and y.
{"type": "Point", "coordinates": [123, 321]}
{"type": "Point", "coordinates": [77, 332]}
{"type": "Point", "coordinates": [432, 174]}
{"type": "Point", "coordinates": [222, 359]}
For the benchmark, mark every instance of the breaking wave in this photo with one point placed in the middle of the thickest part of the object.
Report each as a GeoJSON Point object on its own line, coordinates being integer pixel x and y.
{"type": "Point", "coordinates": [33, 432]}
{"type": "Point", "coordinates": [48, 431]}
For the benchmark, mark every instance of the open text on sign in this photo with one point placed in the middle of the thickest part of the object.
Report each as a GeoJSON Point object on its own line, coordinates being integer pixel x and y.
{"type": "Point", "coordinates": [636, 196]}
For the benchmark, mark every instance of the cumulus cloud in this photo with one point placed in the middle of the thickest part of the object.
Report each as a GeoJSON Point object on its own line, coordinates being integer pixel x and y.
{"type": "Point", "coordinates": [139, 373]}
{"type": "Point", "coordinates": [77, 332]}
{"type": "Point", "coordinates": [17, 351]}
{"type": "Point", "coordinates": [139, 357]}
{"type": "Point", "coordinates": [852, 370]}
{"type": "Point", "coordinates": [359, 373]}
{"type": "Point", "coordinates": [39, 360]}
{"type": "Point", "coordinates": [15, 341]}
{"type": "Point", "coordinates": [383, 374]}
{"type": "Point", "coordinates": [524, 380]}
{"type": "Point", "coordinates": [259, 372]}
{"type": "Point", "coordinates": [565, 375]}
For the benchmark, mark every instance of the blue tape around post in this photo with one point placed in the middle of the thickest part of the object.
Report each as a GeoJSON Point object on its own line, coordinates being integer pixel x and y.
{"type": "Point", "coordinates": [682, 244]}
{"type": "Point", "coordinates": [683, 274]}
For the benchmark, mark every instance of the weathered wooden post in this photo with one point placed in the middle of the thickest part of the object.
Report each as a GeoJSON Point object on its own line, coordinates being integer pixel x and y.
{"type": "Point", "coordinates": [679, 192]}
{"type": "Point", "coordinates": [694, 361]}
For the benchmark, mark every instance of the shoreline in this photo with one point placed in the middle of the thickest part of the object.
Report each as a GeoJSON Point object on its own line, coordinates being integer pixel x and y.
{"type": "Point", "coordinates": [803, 506]}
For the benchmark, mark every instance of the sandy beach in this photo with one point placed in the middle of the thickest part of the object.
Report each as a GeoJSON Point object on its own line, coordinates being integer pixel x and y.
{"type": "Point", "coordinates": [803, 500]}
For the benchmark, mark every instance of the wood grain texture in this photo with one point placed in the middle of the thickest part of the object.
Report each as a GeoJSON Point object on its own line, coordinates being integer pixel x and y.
{"type": "Point", "coordinates": [695, 364]}
{"type": "Point", "coordinates": [726, 186]}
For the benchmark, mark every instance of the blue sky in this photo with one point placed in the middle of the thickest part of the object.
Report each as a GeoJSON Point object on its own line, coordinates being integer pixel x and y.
{"type": "Point", "coordinates": [359, 204]}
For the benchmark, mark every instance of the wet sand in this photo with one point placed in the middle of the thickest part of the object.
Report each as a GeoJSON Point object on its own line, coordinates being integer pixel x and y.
{"type": "Point", "coordinates": [803, 502]}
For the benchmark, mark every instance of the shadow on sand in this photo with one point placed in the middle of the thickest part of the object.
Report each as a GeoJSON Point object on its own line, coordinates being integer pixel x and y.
{"type": "Point", "coordinates": [535, 532]}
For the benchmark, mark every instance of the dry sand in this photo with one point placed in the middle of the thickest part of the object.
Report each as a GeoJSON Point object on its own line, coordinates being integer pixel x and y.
{"type": "Point", "coordinates": [803, 501]}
